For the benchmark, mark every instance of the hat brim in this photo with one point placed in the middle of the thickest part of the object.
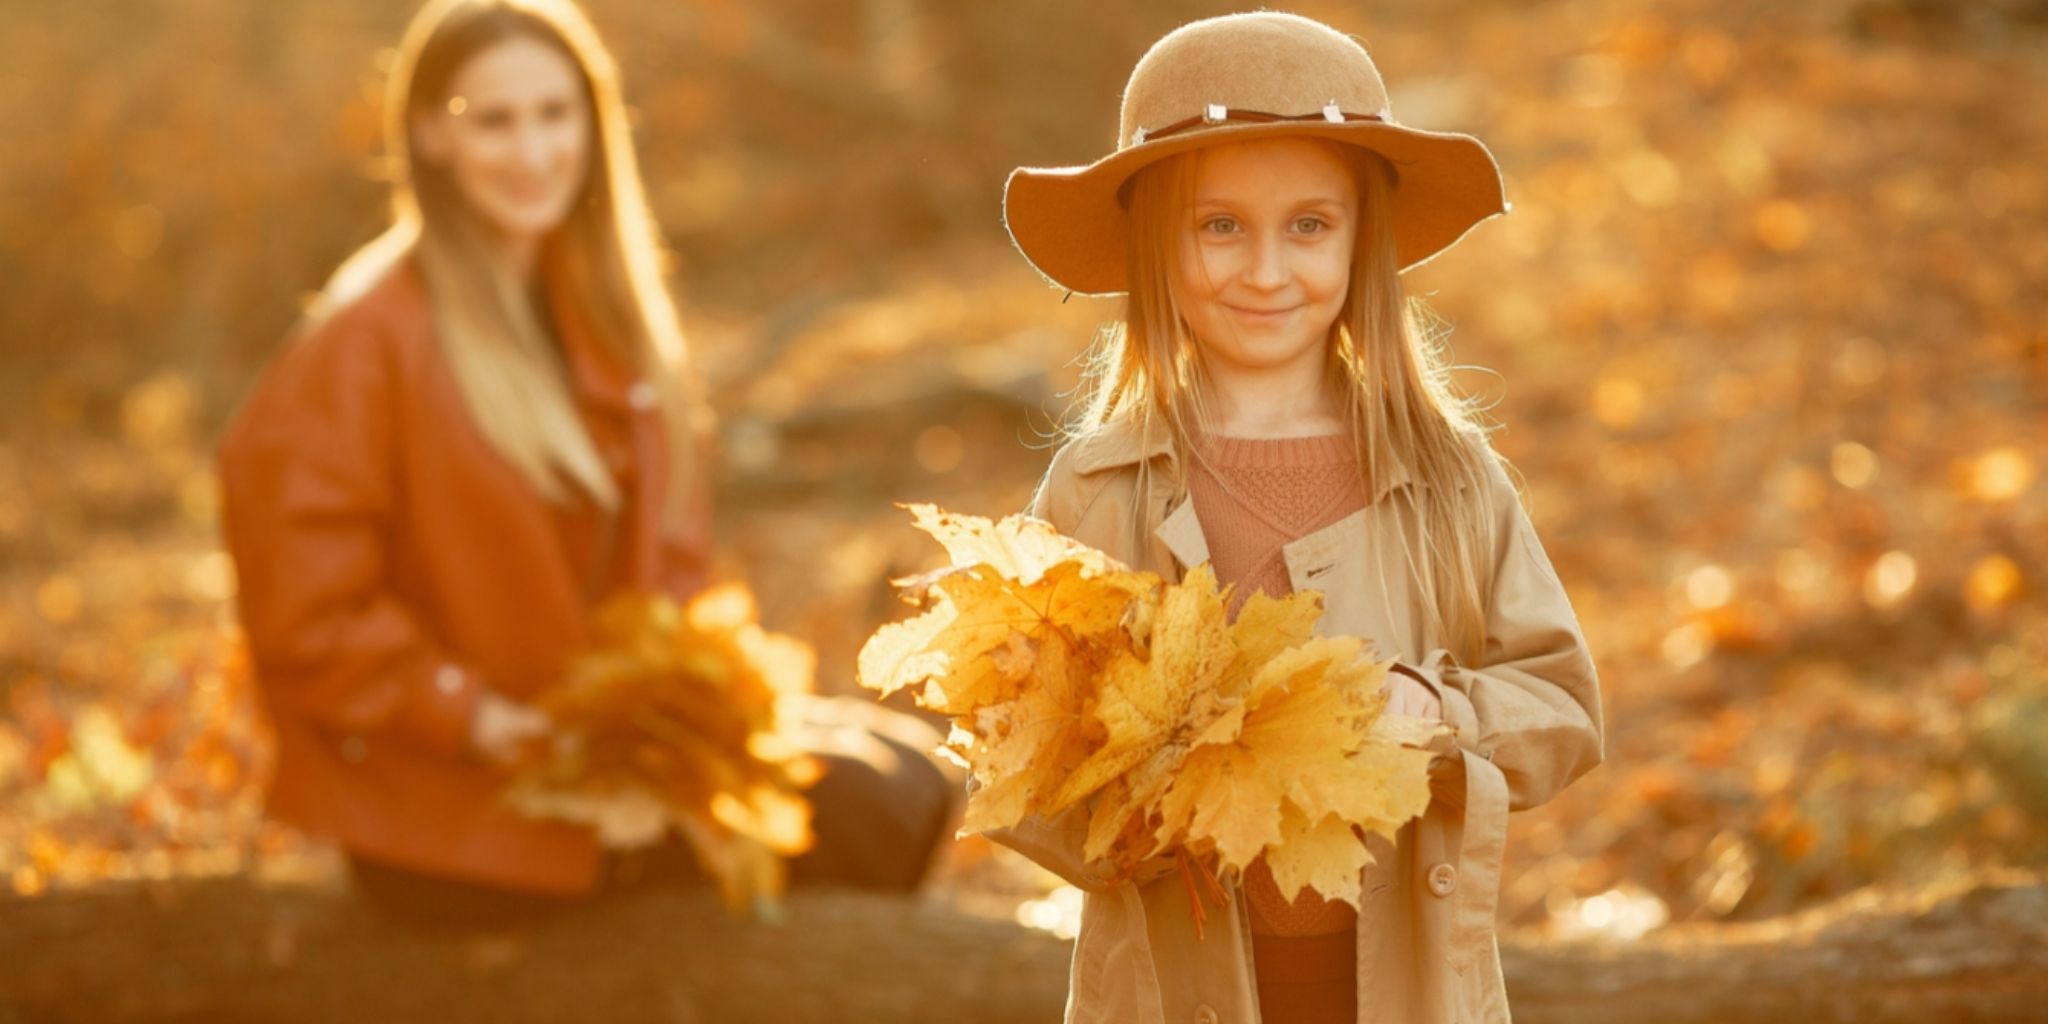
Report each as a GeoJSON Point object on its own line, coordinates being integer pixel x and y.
{"type": "Point", "coordinates": [1071, 223]}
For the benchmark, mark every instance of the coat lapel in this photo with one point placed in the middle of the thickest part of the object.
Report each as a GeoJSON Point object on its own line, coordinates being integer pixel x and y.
{"type": "Point", "coordinates": [1182, 534]}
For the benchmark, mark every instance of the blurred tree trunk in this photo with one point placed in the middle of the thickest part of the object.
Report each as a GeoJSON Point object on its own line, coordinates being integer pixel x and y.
{"type": "Point", "coordinates": [233, 950]}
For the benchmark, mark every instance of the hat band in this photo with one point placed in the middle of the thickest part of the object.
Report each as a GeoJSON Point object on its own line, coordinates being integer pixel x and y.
{"type": "Point", "coordinates": [1216, 113]}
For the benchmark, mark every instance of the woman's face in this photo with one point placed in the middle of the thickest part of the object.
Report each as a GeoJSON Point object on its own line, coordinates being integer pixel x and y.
{"type": "Point", "coordinates": [514, 134]}
{"type": "Point", "coordinates": [1266, 262]}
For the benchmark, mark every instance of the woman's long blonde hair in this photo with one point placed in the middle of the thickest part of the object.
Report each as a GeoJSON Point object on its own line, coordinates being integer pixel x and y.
{"type": "Point", "coordinates": [605, 257]}
{"type": "Point", "coordinates": [1387, 364]}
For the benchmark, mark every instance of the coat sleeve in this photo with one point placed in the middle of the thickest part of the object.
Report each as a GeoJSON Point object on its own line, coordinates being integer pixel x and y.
{"type": "Point", "coordinates": [1056, 843]}
{"type": "Point", "coordinates": [1532, 707]}
{"type": "Point", "coordinates": [309, 484]}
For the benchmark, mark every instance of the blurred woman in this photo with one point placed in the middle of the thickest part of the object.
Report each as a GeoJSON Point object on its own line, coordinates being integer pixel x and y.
{"type": "Point", "coordinates": [487, 424]}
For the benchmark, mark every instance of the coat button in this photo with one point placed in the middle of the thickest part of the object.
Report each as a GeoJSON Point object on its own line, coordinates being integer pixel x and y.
{"type": "Point", "coordinates": [1443, 878]}
{"type": "Point", "coordinates": [1206, 1015]}
{"type": "Point", "coordinates": [353, 749]}
{"type": "Point", "coordinates": [448, 680]}
{"type": "Point", "coordinates": [641, 396]}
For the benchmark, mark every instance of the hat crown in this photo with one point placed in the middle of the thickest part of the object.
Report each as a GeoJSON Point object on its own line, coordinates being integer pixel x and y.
{"type": "Point", "coordinates": [1267, 62]}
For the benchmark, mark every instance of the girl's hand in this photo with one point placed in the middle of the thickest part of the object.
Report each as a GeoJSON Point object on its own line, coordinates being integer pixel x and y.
{"type": "Point", "coordinates": [501, 726]}
{"type": "Point", "coordinates": [1405, 696]}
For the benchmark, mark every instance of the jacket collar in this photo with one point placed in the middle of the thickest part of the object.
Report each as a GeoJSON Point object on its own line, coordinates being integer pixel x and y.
{"type": "Point", "coordinates": [1121, 443]}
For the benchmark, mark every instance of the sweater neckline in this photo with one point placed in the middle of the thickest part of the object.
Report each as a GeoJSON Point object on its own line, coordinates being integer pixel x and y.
{"type": "Point", "coordinates": [1277, 452]}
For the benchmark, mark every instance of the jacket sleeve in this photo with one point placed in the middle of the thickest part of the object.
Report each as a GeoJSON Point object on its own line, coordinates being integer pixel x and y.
{"type": "Point", "coordinates": [1056, 843]}
{"type": "Point", "coordinates": [1532, 707]}
{"type": "Point", "coordinates": [308, 482]}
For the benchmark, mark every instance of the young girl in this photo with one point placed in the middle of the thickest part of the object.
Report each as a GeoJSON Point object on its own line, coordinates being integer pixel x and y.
{"type": "Point", "coordinates": [1268, 404]}
{"type": "Point", "coordinates": [485, 428]}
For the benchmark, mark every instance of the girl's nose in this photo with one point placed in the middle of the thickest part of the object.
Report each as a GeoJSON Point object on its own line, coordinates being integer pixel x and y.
{"type": "Point", "coordinates": [1269, 263]}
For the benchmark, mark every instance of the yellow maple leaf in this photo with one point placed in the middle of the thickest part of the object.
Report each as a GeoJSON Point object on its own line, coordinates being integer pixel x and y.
{"type": "Point", "coordinates": [985, 633]}
{"type": "Point", "coordinates": [1011, 647]}
{"type": "Point", "coordinates": [1232, 783]}
{"type": "Point", "coordinates": [1265, 627]}
{"type": "Point", "coordinates": [1303, 751]}
{"type": "Point", "coordinates": [1326, 855]}
{"type": "Point", "coordinates": [1149, 705]}
{"type": "Point", "coordinates": [1019, 547]}
{"type": "Point", "coordinates": [1024, 748]}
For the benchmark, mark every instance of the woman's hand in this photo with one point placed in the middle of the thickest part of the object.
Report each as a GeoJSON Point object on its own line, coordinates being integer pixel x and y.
{"type": "Point", "coordinates": [501, 726]}
{"type": "Point", "coordinates": [1406, 696]}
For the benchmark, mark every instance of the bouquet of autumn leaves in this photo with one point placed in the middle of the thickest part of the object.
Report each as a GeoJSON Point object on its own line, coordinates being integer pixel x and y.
{"type": "Point", "coordinates": [675, 718]}
{"type": "Point", "coordinates": [1077, 684]}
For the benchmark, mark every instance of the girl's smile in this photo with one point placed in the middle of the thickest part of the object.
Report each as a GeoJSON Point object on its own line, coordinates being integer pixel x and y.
{"type": "Point", "coordinates": [1262, 317]}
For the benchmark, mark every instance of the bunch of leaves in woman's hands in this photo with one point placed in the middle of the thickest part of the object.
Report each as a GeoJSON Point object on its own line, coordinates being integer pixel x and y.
{"type": "Point", "coordinates": [672, 721]}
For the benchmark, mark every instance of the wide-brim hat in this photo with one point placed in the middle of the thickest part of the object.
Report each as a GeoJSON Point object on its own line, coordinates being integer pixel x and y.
{"type": "Point", "coordinates": [1237, 78]}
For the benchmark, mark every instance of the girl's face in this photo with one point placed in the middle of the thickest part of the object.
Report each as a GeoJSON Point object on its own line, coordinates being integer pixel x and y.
{"type": "Point", "coordinates": [1266, 263]}
{"type": "Point", "coordinates": [514, 134]}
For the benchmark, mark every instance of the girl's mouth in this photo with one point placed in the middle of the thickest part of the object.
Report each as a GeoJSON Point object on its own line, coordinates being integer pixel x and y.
{"type": "Point", "coordinates": [1260, 315]}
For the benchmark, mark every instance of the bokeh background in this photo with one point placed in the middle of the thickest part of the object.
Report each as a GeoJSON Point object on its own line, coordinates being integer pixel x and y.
{"type": "Point", "coordinates": [1766, 332]}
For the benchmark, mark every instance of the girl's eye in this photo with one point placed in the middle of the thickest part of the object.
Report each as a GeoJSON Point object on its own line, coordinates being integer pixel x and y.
{"type": "Point", "coordinates": [1309, 225]}
{"type": "Point", "coordinates": [1220, 226]}
{"type": "Point", "coordinates": [494, 120]}
{"type": "Point", "coordinates": [554, 112]}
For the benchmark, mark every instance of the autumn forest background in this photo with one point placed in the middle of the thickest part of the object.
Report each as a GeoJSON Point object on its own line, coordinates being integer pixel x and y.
{"type": "Point", "coordinates": [1766, 333]}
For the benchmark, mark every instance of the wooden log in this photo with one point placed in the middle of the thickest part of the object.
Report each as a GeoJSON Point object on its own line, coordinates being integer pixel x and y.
{"type": "Point", "coordinates": [1975, 952]}
{"type": "Point", "coordinates": [236, 951]}
{"type": "Point", "coordinates": [232, 950]}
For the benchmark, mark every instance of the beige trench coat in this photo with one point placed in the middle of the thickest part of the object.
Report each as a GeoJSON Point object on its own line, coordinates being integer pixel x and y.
{"type": "Point", "coordinates": [1528, 722]}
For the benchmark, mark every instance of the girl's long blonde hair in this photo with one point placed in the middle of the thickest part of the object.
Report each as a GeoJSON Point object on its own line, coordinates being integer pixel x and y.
{"type": "Point", "coordinates": [605, 257]}
{"type": "Point", "coordinates": [1387, 364]}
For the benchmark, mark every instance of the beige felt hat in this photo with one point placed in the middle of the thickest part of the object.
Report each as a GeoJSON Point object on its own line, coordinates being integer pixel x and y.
{"type": "Point", "coordinates": [1235, 78]}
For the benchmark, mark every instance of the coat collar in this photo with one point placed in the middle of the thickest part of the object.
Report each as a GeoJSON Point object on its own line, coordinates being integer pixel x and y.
{"type": "Point", "coordinates": [1182, 534]}
{"type": "Point", "coordinates": [1122, 442]}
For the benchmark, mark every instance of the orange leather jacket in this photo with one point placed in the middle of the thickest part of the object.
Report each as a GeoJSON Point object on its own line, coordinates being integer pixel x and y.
{"type": "Point", "coordinates": [391, 567]}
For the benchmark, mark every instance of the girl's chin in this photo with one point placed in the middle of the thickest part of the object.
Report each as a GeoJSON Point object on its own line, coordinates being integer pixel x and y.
{"type": "Point", "coordinates": [1260, 359]}
{"type": "Point", "coordinates": [1265, 350]}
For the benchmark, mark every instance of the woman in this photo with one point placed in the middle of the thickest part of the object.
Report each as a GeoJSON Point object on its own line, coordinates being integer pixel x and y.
{"type": "Point", "coordinates": [486, 426]}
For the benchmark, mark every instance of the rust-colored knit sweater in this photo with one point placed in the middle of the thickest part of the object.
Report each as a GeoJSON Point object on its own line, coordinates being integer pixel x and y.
{"type": "Point", "coordinates": [1253, 497]}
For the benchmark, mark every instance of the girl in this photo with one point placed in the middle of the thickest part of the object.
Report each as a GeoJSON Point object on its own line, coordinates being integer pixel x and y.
{"type": "Point", "coordinates": [1269, 404]}
{"type": "Point", "coordinates": [486, 426]}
